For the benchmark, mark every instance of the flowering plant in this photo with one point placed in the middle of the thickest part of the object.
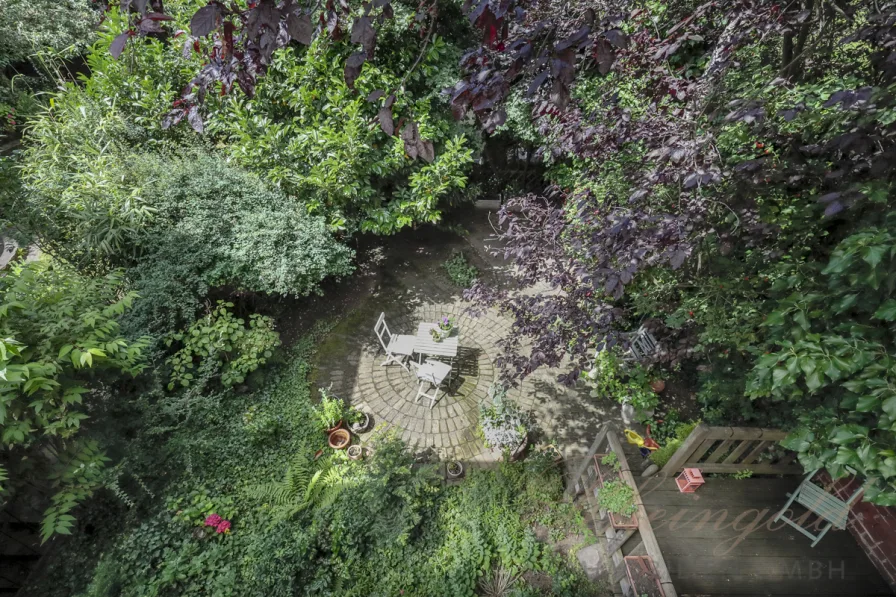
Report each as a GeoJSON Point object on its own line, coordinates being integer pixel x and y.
{"type": "Point", "coordinates": [213, 520]}
{"type": "Point", "coordinates": [220, 525]}
{"type": "Point", "coordinates": [446, 323]}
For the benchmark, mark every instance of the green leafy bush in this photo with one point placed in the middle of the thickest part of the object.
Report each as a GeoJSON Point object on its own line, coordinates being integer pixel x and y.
{"type": "Point", "coordinates": [59, 337]}
{"type": "Point", "coordinates": [224, 345]}
{"type": "Point", "coordinates": [35, 37]}
{"type": "Point", "coordinates": [610, 378]}
{"type": "Point", "coordinates": [831, 355]}
{"type": "Point", "coordinates": [662, 455]}
{"type": "Point", "coordinates": [461, 272]}
{"type": "Point", "coordinates": [330, 411]}
{"type": "Point", "coordinates": [80, 193]}
{"type": "Point", "coordinates": [304, 130]}
{"type": "Point", "coordinates": [217, 225]}
{"type": "Point", "coordinates": [30, 26]}
{"type": "Point", "coordinates": [255, 237]}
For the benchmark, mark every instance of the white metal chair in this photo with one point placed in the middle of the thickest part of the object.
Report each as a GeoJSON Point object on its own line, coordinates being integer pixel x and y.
{"type": "Point", "coordinates": [431, 373]}
{"type": "Point", "coordinates": [398, 347]}
{"type": "Point", "coordinates": [829, 508]}
{"type": "Point", "coordinates": [643, 345]}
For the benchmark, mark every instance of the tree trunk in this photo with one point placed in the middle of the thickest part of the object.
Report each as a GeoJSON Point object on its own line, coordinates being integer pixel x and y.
{"type": "Point", "coordinates": [792, 57]}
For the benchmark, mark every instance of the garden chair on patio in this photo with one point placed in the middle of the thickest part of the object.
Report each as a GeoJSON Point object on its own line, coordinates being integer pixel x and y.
{"type": "Point", "coordinates": [643, 345]}
{"type": "Point", "coordinates": [398, 347]}
{"type": "Point", "coordinates": [431, 373]}
{"type": "Point", "coordinates": [830, 508]}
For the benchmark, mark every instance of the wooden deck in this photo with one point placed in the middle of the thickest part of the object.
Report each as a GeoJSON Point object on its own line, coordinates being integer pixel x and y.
{"type": "Point", "coordinates": [721, 541]}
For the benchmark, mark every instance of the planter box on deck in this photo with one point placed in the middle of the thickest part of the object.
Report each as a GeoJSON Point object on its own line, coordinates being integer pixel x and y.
{"type": "Point", "coordinates": [601, 474]}
{"type": "Point", "coordinates": [643, 577]}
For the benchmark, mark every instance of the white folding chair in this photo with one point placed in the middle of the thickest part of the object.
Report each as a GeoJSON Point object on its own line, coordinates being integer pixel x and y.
{"type": "Point", "coordinates": [431, 373]}
{"type": "Point", "coordinates": [643, 345]}
{"type": "Point", "coordinates": [398, 347]}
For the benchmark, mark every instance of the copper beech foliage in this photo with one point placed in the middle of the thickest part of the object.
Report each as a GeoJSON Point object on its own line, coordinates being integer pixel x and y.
{"type": "Point", "coordinates": [589, 250]}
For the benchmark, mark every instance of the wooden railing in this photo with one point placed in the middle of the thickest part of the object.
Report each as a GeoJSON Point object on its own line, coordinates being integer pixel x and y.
{"type": "Point", "coordinates": [607, 441]}
{"type": "Point", "coordinates": [733, 449]}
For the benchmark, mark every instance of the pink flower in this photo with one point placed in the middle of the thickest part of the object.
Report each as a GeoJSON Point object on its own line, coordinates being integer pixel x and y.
{"type": "Point", "coordinates": [213, 520]}
{"type": "Point", "coordinates": [224, 527]}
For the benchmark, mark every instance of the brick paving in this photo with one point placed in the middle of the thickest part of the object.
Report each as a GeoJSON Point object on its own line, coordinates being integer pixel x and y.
{"type": "Point", "coordinates": [566, 417]}
{"type": "Point", "coordinates": [387, 392]}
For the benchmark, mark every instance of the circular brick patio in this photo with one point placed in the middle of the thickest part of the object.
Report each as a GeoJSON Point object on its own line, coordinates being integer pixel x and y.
{"type": "Point", "coordinates": [387, 392]}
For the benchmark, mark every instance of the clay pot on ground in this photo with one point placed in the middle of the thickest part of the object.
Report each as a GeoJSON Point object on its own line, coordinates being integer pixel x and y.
{"type": "Point", "coordinates": [339, 439]}
{"type": "Point", "coordinates": [658, 385]}
{"type": "Point", "coordinates": [334, 428]}
{"type": "Point", "coordinates": [355, 452]}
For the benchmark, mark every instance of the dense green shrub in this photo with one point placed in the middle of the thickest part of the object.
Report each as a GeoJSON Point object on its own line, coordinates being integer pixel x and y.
{"type": "Point", "coordinates": [80, 196]}
{"type": "Point", "coordinates": [30, 26]}
{"type": "Point", "coordinates": [304, 130]}
{"type": "Point", "coordinates": [830, 355]}
{"type": "Point", "coordinates": [461, 271]}
{"type": "Point", "coordinates": [255, 237]}
{"type": "Point", "coordinates": [35, 36]}
{"type": "Point", "coordinates": [60, 337]}
{"type": "Point", "coordinates": [225, 347]}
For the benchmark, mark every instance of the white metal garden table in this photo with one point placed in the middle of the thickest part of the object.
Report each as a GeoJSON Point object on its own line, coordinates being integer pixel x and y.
{"type": "Point", "coordinates": [425, 345]}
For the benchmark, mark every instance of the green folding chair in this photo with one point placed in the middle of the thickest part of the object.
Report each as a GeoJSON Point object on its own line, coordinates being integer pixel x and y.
{"type": "Point", "coordinates": [829, 508]}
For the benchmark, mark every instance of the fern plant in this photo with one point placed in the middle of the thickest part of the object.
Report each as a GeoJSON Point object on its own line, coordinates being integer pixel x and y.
{"type": "Point", "coordinates": [498, 583]}
{"type": "Point", "coordinates": [302, 486]}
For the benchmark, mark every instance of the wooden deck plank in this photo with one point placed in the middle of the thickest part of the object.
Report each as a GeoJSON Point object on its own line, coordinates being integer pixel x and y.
{"type": "Point", "coordinates": [756, 586]}
{"type": "Point", "coordinates": [722, 540]}
{"type": "Point", "coordinates": [753, 547]}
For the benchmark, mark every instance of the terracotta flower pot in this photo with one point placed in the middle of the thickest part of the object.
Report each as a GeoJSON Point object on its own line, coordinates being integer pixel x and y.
{"type": "Point", "coordinates": [658, 385]}
{"type": "Point", "coordinates": [332, 429]}
{"type": "Point", "coordinates": [339, 439]}
{"type": "Point", "coordinates": [355, 452]}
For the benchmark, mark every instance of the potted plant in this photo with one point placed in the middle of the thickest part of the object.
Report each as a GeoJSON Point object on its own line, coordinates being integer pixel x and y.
{"type": "Point", "coordinates": [612, 494]}
{"type": "Point", "coordinates": [503, 424]}
{"type": "Point", "coordinates": [330, 412]}
{"type": "Point", "coordinates": [443, 329]}
{"type": "Point", "coordinates": [355, 452]}
{"type": "Point", "coordinates": [359, 421]}
{"type": "Point", "coordinates": [618, 499]}
{"type": "Point", "coordinates": [339, 439]}
{"type": "Point", "coordinates": [610, 377]}
{"type": "Point", "coordinates": [455, 469]}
